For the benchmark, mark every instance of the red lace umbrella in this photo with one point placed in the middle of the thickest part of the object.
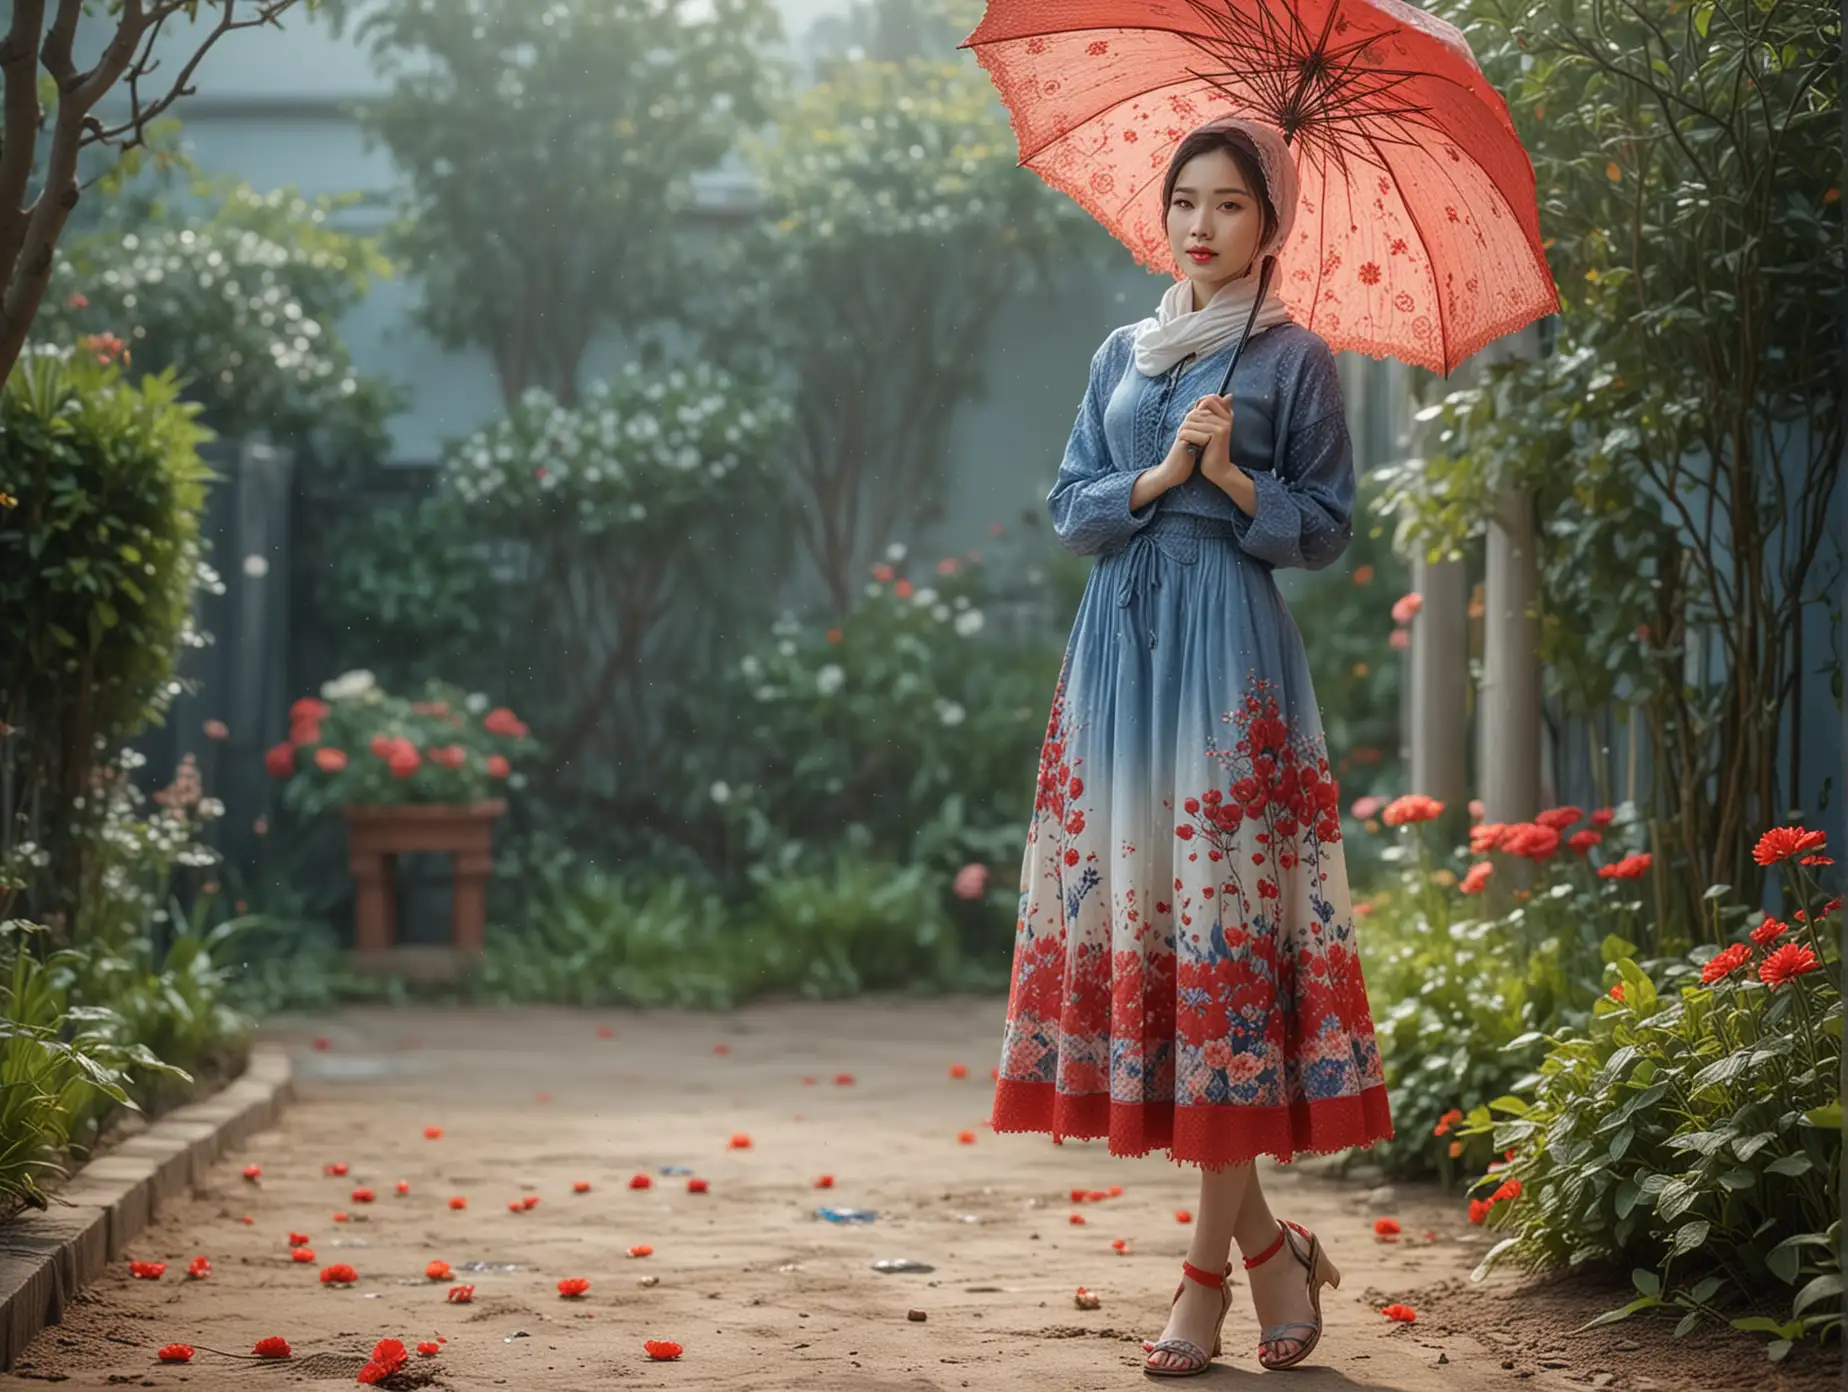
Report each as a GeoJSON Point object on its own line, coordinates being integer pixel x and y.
{"type": "Point", "coordinates": [1416, 235]}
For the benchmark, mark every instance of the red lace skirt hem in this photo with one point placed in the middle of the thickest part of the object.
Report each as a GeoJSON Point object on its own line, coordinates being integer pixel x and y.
{"type": "Point", "coordinates": [1212, 1137]}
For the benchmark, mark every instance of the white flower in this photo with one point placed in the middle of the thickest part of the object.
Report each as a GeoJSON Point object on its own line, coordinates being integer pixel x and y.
{"type": "Point", "coordinates": [721, 792]}
{"type": "Point", "coordinates": [210, 808]}
{"type": "Point", "coordinates": [895, 552]}
{"type": "Point", "coordinates": [925, 597]}
{"type": "Point", "coordinates": [940, 612]}
{"type": "Point", "coordinates": [830, 679]}
{"type": "Point", "coordinates": [477, 702]}
{"type": "Point", "coordinates": [751, 667]}
{"type": "Point", "coordinates": [873, 589]}
{"type": "Point", "coordinates": [950, 713]}
{"type": "Point", "coordinates": [256, 567]}
{"type": "Point", "coordinates": [348, 685]}
{"type": "Point", "coordinates": [787, 648]}
{"type": "Point", "coordinates": [969, 621]}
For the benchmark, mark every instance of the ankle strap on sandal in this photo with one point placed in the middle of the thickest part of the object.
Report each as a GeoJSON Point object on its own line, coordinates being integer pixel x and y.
{"type": "Point", "coordinates": [1283, 1225]}
{"type": "Point", "coordinates": [1204, 1277]}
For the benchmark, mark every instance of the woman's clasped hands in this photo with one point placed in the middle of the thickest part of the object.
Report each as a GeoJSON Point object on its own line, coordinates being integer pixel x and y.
{"type": "Point", "coordinates": [1208, 425]}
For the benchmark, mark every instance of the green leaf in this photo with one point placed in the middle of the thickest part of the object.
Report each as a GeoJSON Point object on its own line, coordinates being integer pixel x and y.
{"type": "Point", "coordinates": [1623, 1312]}
{"type": "Point", "coordinates": [1646, 1281]}
{"type": "Point", "coordinates": [1829, 1115]}
{"type": "Point", "coordinates": [1511, 1104]}
{"type": "Point", "coordinates": [1792, 1165]}
{"type": "Point", "coordinates": [1689, 1236]}
{"type": "Point", "coordinates": [1825, 1287]}
{"type": "Point", "coordinates": [1764, 1324]}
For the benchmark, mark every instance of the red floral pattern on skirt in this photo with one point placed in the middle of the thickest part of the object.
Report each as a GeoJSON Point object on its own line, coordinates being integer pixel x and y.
{"type": "Point", "coordinates": [1220, 1013]}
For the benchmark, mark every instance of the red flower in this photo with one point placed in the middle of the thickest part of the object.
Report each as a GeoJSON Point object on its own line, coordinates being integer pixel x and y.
{"type": "Point", "coordinates": [640, 1181]}
{"type": "Point", "coordinates": [1583, 841]}
{"type": "Point", "coordinates": [330, 760]}
{"type": "Point", "coordinates": [1531, 840]}
{"type": "Point", "coordinates": [275, 1346]}
{"type": "Point", "coordinates": [404, 761]}
{"type": "Point", "coordinates": [1181, 1215]}
{"type": "Point", "coordinates": [824, 1182]}
{"type": "Point", "coordinates": [302, 1254]}
{"type": "Point", "coordinates": [641, 1249]}
{"type": "Point", "coordinates": [1446, 1121]}
{"type": "Point", "coordinates": [403, 1186]}
{"type": "Point", "coordinates": [573, 1286]}
{"type": "Point", "coordinates": [498, 767]}
{"type": "Point", "coordinates": [501, 721]}
{"type": "Point", "coordinates": [339, 1274]}
{"type": "Point", "coordinates": [341, 1218]}
{"type": "Point", "coordinates": [697, 1186]}
{"type": "Point", "coordinates": [1407, 607]}
{"type": "Point", "coordinates": [1478, 1210]}
{"type": "Point", "coordinates": [1766, 931]}
{"type": "Point", "coordinates": [739, 1141]}
{"type": "Point", "coordinates": [1510, 1189]}
{"type": "Point", "coordinates": [965, 1137]}
{"type": "Point", "coordinates": [429, 1349]}
{"type": "Point", "coordinates": [580, 1186]}
{"type": "Point", "coordinates": [363, 1196]}
{"type": "Point", "coordinates": [146, 1270]}
{"type": "Point", "coordinates": [199, 1268]}
{"type": "Point", "coordinates": [176, 1353]}
{"type": "Point", "coordinates": [458, 1202]}
{"type": "Point", "coordinates": [279, 760]}
{"type": "Point", "coordinates": [1121, 1244]}
{"type": "Point", "coordinates": [339, 1167]}
{"type": "Point", "coordinates": [1386, 1229]}
{"type": "Point", "coordinates": [1786, 964]}
{"type": "Point", "coordinates": [439, 1271]}
{"type": "Point", "coordinates": [530, 1201]}
{"type": "Point", "coordinates": [1631, 867]}
{"type": "Point", "coordinates": [1604, 816]}
{"type": "Point", "coordinates": [1724, 963]}
{"type": "Point", "coordinates": [1404, 1314]}
{"type": "Point", "coordinates": [460, 1295]}
{"type": "Point", "coordinates": [902, 589]}
{"type": "Point", "coordinates": [1476, 879]}
{"type": "Point", "coordinates": [1780, 843]}
{"type": "Point", "coordinates": [1559, 818]}
{"type": "Point", "coordinates": [1617, 992]}
{"type": "Point", "coordinates": [297, 1239]}
{"type": "Point", "coordinates": [433, 1133]}
{"type": "Point", "coordinates": [390, 1354]}
{"type": "Point", "coordinates": [663, 1350]}
{"type": "Point", "coordinates": [1485, 837]}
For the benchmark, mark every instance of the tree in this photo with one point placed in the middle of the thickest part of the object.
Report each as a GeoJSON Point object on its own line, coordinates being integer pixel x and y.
{"type": "Point", "coordinates": [549, 150]}
{"type": "Point", "coordinates": [67, 98]}
{"type": "Point", "coordinates": [1684, 438]}
{"type": "Point", "coordinates": [897, 226]}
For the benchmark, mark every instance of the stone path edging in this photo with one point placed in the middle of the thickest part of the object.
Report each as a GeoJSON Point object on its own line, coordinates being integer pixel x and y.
{"type": "Point", "coordinates": [46, 1258]}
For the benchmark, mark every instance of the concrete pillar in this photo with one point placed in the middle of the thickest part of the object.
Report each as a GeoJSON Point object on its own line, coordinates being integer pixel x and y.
{"type": "Point", "coordinates": [1440, 684]}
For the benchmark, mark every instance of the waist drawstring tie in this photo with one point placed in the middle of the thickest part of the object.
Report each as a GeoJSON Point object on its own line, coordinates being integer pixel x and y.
{"type": "Point", "coordinates": [1175, 536]}
{"type": "Point", "coordinates": [1141, 577]}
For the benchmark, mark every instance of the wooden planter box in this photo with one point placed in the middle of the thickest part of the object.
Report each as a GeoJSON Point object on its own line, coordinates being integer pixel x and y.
{"type": "Point", "coordinates": [376, 835]}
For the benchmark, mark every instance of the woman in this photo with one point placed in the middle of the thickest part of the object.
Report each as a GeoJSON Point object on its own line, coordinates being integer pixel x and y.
{"type": "Point", "coordinates": [1185, 973]}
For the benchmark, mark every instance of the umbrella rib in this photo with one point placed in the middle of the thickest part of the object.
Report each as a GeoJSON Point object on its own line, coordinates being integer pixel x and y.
{"type": "Point", "coordinates": [1443, 328]}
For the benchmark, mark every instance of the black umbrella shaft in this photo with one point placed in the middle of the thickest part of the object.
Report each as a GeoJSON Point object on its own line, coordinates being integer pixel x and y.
{"type": "Point", "coordinates": [1195, 451]}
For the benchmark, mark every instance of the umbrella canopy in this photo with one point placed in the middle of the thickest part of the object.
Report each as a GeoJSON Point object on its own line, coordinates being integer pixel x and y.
{"type": "Point", "coordinates": [1416, 234]}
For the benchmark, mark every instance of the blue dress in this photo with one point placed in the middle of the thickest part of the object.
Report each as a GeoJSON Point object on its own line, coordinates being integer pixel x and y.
{"type": "Point", "coordinates": [1185, 971]}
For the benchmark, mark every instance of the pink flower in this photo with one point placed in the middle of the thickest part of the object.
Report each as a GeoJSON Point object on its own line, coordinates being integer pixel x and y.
{"type": "Point", "coordinates": [1366, 807]}
{"type": "Point", "coordinates": [1406, 608]}
{"type": "Point", "coordinates": [971, 881]}
{"type": "Point", "coordinates": [1217, 1053]}
{"type": "Point", "coordinates": [1477, 878]}
{"type": "Point", "coordinates": [1401, 639]}
{"type": "Point", "coordinates": [1413, 807]}
{"type": "Point", "coordinates": [217, 730]}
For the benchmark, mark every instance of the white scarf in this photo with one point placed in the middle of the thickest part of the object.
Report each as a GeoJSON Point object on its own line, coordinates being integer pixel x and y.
{"type": "Point", "coordinates": [1178, 330]}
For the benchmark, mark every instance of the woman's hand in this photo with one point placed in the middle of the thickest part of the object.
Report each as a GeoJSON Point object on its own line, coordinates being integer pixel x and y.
{"type": "Point", "coordinates": [1209, 425]}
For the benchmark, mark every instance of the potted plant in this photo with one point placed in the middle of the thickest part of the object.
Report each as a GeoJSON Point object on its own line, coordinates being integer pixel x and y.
{"type": "Point", "coordinates": [408, 775]}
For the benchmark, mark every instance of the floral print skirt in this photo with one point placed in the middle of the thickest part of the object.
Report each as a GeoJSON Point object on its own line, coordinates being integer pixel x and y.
{"type": "Point", "coordinates": [1185, 971]}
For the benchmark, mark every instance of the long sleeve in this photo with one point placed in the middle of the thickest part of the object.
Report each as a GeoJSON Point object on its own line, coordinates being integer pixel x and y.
{"type": "Point", "coordinates": [1089, 501]}
{"type": "Point", "coordinates": [1305, 515]}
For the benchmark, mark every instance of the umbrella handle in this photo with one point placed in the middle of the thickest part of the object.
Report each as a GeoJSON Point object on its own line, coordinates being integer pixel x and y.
{"type": "Point", "coordinates": [1195, 451]}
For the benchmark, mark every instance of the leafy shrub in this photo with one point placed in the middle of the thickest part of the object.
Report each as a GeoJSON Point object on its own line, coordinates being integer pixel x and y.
{"type": "Point", "coordinates": [103, 485]}
{"type": "Point", "coordinates": [361, 745]}
{"type": "Point", "coordinates": [831, 928]}
{"type": "Point", "coordinates": [1694, 1127]}
{"type": "Point", "coordinates": [1461, 998]}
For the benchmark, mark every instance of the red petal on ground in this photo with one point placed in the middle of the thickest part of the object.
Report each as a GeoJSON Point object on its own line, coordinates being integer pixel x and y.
{"type": "Point", "coordinates": [323, 1044]}
{"type": "Point", "coordinates": [640, 1181]}
{"type": "Point", "coordinates": [966, 1137]}
{"type": "Point", "coordinates": [363, 1196]}
{"type": "Point", "coordinates": [697, 1186]}
{"type": "Point", "coordinates": [253, 1172]}
{"type": "Point", "coordinates": [641, 1249]}
{"type": "Point", "coordinates": [580, 1186]}
{"type": "Point", "coordinates": [175, 1353]}
{"type": "Point", "coordinates": [843, 1080]}
{"type": "Point", "coordinates": [721, 1049]}
{"type": "Point", "coordinates": [825, 1182]}
{"type": "Point", "coordinates": [433, 1133]}
{"type": "Point", "coordinates": [439, 1271]}
{"type": "Point", "coordinates": [303, 1254]}
{"type": "Point", "coordinates": [1181, 1215]}
{"type": "Point", "coordinates": [429, 1349]}
{"type": "Point", "coordinates": [403, 1186]}
{"type": "Point", "coordinates": [275, 1346]}
{"type": "Point", "coordinates": [663, 1350]}
{"type": "Point", "coordinates": [1404, 1314]}
{"type": "Point", "coordinates": [460, 1295]}
{"type": "Point", "coordinates": [573, 1286]}
{"type": "Point", "coordinates": [740, 1141]}
{"type": "Point", "coordinates": [458, 1202]}
{"type": "Point", "coordinates": [959, 1070]}
{"type": "Point", "coordinates": [298, 1239]}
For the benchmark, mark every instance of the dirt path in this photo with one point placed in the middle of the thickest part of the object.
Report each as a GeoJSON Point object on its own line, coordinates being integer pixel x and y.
{"type": "Point", "coordinates": [761, 1293]}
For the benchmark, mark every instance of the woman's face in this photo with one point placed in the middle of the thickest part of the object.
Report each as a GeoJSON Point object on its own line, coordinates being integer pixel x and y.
{"type": "Point", "coordinates": [1215, 221]}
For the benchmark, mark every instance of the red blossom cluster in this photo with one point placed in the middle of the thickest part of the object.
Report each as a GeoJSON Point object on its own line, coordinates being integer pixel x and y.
{"type": "Point", "coordinates": [388, 1355]}
{"type": "Point", "coordinates": [1507, 1191]}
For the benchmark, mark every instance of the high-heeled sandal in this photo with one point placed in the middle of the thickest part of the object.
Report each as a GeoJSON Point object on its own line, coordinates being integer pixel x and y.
{"type": "Point", "coordinates": [1198, 1360]}
{"type": "Point", "coordinates": [1321, 1271]}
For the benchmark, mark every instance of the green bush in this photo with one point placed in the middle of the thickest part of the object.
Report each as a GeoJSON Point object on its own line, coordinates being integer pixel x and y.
{"type": "Point", "coordinates": [102, 486]}
{"type": "Point", "coordinates": [815, 926]}
{"type": "Point", "coordinates": [1693, 1127]}
{"type": "Point", "coordinates": [1465, 979]}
